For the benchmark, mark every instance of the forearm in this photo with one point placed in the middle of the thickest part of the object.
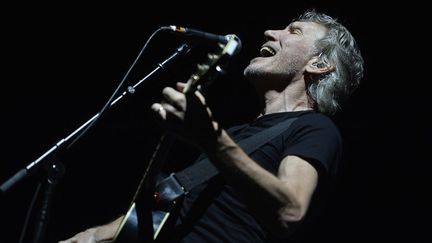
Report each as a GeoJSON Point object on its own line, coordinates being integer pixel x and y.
{"type": "Point", "coordinates": [102, 233]}
{"type": "Point", "coordinates": [108, 231]}
{"type": "Point", "coordinates": [257, 186]}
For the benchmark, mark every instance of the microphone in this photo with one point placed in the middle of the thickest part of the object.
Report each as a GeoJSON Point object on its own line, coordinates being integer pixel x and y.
{"type": "Point", "coordinates": [204, 36]}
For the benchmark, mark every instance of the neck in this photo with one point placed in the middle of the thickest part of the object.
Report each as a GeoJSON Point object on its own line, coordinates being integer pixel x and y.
{"type": "Point", "coordinates": [292, 98]}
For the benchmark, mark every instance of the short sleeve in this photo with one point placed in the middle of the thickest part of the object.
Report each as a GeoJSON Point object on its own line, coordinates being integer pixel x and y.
{"type": "Point", "coordinates": [316, 139]}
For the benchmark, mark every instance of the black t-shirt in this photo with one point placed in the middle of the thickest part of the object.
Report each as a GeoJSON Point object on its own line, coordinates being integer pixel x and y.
{"type": "Point", "coordinates": [212, 212]}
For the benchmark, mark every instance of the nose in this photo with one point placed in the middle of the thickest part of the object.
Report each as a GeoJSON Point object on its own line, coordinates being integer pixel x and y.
{"type": "Point", "coordinates": [270, 35]}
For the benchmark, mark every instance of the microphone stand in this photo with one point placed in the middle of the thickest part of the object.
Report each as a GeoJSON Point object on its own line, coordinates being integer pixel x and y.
{"type": "Point", "coordinates": [55, 170]}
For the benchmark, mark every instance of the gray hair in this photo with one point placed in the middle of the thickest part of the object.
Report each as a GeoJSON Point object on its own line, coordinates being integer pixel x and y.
{"type": "Point", "coordinates": [338, 48]}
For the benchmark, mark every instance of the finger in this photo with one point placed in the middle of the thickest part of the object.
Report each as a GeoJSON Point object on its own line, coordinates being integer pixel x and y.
{"type": "Point", "coordinates": [171, 111]}
{"type": "Point", "coordinates": [159, 110]}
{"type": "Point", "coordinates": [72, 240]}
{"type": "Point", "coordinates": [175, 98]}
{"type": "Point", "coordinates": [180, 86]}
{"type": "Point", "coordinates": [201, 97]}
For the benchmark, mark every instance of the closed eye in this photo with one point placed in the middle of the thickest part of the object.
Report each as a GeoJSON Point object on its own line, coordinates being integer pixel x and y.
{"type": "Point", "coordinates": [295, 30]}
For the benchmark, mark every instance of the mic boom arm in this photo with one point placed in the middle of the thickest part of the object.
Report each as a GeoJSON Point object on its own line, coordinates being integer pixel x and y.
{"type": "Point", "coordinates": [204, 36]}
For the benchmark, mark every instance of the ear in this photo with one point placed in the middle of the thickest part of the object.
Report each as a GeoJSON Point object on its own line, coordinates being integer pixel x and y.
{"type": "Point", "coordinates": [316, 66]}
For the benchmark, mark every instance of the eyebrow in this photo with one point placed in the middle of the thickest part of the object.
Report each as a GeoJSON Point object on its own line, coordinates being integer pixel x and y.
{"type": "Point", "coordinates": [295, 25]}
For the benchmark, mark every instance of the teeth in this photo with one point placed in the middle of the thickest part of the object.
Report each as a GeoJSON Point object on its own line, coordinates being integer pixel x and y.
{"type": "Point", "coordinates": [267, 51]}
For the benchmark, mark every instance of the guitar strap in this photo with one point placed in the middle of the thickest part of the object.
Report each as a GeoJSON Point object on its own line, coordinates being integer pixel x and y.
{"type": "Point", "coordinates": [179, 183]}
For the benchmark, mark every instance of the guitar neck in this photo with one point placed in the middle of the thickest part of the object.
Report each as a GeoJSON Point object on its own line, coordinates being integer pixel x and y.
{"type": "Point", "coordinates": [204, 71]}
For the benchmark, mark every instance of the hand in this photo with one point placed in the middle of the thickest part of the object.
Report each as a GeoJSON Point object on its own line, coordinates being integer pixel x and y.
{"type": "Point", "coordinates": [88, 236]}
{"type": "Point", "coordinates": [187, 116]}
{"type": "Point", "coordinates": [97, 234]}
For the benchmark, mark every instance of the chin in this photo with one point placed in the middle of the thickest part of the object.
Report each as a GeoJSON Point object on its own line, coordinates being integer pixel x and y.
{"type": "Point", "coordinates": [253, 69]}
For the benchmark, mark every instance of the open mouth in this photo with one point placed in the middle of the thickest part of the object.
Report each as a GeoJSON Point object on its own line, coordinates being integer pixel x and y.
{"type": "Point", "coordinates": [267, 51]}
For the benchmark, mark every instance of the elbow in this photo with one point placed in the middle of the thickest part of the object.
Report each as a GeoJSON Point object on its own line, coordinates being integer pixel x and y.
{"type": "Point", "coordinates": [288, 220]}
{"type": "Point", "coordinates": [291, 214]}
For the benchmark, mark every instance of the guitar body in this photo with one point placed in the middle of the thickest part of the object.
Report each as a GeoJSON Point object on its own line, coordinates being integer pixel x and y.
{"type": "Point", "coordinates": [129, 230]}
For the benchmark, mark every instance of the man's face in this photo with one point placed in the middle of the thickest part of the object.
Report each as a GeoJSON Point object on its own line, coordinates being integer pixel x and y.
{"type": "Point", "coordinates": [285, 54]}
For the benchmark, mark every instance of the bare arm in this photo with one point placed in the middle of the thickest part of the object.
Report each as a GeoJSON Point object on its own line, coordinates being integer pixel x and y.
{"type": "Point", "coordinates": [103, 233]}
{"type": "Point", "coordinates": [286, 196]}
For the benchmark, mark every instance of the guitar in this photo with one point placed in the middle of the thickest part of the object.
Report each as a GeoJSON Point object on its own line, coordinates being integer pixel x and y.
{"type": "Point", "coordinates": [128, 227]}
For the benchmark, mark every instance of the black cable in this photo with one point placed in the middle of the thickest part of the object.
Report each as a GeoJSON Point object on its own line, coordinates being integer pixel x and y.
{"type": "Point", "coordinates": [116, 90]}
{"type": "Point", "coordinates": [104, 108]}
{"type": "Point", "coordinates": [29, 211]}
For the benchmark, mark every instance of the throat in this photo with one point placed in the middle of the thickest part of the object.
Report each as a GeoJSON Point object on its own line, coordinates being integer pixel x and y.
{"type": "Point", "coordinates": [285, 102]}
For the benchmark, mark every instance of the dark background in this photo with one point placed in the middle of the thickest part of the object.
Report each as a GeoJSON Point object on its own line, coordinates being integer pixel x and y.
{"type": "Point", "coordinates": [61, 63]}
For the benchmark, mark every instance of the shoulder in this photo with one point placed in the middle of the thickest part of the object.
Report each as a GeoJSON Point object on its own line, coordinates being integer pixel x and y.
{"type": "Point", "coordinates": [316, 119]}
{"type": "Point", "coordinates": [316, 123]}
{"type": "Point", "coordinates": [315, 138]}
